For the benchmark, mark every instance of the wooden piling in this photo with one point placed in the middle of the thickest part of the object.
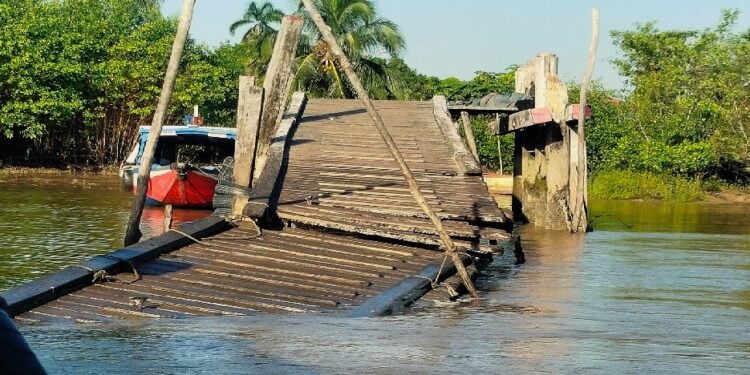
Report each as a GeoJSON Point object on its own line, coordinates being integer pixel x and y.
{"type": "Point", "coordinates": [167, 217]}
{"type": "Point", "coordinates": [450, 247]}
{"type": "Point", "coordinates": [277, 85]}
{"type": "Point", "coordinates": [579, 163]}
{"type": "Point", "coordinates": [249, 110]}
{"type": "Point", "coordinates": [133, 233]}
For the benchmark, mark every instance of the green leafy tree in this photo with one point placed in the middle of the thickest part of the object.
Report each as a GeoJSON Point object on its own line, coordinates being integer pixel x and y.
{"type": "Point", "coordinates": [260, 35]}
{"type": "Point", "coordinates": [689, 108]}
{"type": "Point", "coordinates": [362, 35]}
{"type": "Point", "coordinates": [77, 77]}
{"type": "Point", "coordinates": [482, 84]}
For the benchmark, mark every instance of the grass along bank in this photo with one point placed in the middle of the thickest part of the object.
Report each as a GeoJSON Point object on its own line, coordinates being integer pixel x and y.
{"type": "Point", "coordinates": [625, 184]}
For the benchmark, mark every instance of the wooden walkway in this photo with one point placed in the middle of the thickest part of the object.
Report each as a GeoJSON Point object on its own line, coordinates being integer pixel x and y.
{"type": "Point", "coordinates": [237, 273]}
{"type": "Point", "coordinates": [340, 175]}
{"type": "Point", "coordinates": [342, 233]}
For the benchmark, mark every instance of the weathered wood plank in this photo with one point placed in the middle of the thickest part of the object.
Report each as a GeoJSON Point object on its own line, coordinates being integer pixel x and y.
{"type": "Point", "coordinates": [573, 113]}
{"type": "Point", "coordinates": [521, 120]}
{"type": "Point", "coordinates": [47, 288]}
{"type": "Point", "coordinates": [469, 132]}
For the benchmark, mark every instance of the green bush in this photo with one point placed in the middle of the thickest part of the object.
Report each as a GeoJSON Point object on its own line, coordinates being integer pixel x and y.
{"type": "Point", "coordinates": [487, 144]}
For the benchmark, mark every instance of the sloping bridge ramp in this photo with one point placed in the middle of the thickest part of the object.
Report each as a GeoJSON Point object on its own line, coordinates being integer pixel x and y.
{"type": "Point", "coordinates": [340, 175]}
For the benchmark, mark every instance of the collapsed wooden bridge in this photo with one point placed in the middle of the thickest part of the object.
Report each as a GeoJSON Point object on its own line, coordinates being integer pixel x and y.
{"type": "Point", "coordinates": [350, 207]}
{"type": "Point", "coordinates": [338, 231]}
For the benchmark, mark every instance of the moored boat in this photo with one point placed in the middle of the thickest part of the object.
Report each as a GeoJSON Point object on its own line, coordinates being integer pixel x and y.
{"type": "Point", "coordinates": [185, 168]}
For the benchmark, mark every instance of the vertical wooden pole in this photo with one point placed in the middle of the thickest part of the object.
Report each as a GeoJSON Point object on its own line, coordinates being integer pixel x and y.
{"type": "Point", "coordinates": [277, 85]}
{"type": "Point", "coordinates": [499, 156]}
{"type": "Point", "coordinates": [167, 218]}
{"type": "Point", "coordinates": [466, 121]}
{"type": "Point", "coordinates": [249, 110]}
{"type": "Point", "coordinates": [581, 199]}
{"type": "Point", "coordinates": [133, 232]}
{"type": "Point", "coordinates": [450, 247]}
{"type": "Point", "coordinates": [499, 151]}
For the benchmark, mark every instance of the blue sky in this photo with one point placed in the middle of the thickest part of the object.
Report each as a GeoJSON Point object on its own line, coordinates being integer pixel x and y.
{"type": "Point", "coordinates": [458, 37]}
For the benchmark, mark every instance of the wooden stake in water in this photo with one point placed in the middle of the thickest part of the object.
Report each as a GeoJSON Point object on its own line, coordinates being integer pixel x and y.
{"type": "Point", "coordinates": [133, 232]}
{"type": "Point", "coordinates": [580, 200]}
{"type": "Point", "coordinates": [335, 49]}
{"type": "Point", "coordinates": [167, 218]}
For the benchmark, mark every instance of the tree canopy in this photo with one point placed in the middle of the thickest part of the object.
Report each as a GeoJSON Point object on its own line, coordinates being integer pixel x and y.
{"type": "Point", "coordinates": [77, 78]}
{"type": "Point", "coordinates": [689, 107]}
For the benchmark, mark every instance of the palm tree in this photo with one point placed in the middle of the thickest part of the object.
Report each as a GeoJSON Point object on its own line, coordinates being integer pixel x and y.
{"type": "Point", "coordinates": [260, 35]}
{"type": "Point", "coordinates": [365, 38]}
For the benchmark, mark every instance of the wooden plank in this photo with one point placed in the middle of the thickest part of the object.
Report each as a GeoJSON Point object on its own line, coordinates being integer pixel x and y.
{"type": "Point", "coordinates": [466, 162]}
{"type": "Point", "coordinates": [223, 283]}
{"type": "Point", "coordinates": [479, 108]}
{"type": "Point", "coordinates": [346, 225]}
{"type": "Point", "coordinates": [458, 229]}
{"type": "Point", "coordinates": [261, 196]}
{"type": "Point", "coordinates": [521, 120]}
{"type": "Point", "coordinates": [277, 85]}
{"type": "Point", "coordinates": [47, 288]}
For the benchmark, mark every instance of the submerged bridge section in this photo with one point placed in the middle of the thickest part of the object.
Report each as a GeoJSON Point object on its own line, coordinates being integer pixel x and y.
{"type": "Point", "coordinates": [339, 231]}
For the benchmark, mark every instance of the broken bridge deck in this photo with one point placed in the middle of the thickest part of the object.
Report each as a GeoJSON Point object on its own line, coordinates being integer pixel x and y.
{"type": "Point", "coordinates": [351, 240]}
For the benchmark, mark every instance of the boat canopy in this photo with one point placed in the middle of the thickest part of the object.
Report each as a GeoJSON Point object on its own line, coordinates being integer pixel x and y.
{"type": "Point", "coordinates": [187, 135]}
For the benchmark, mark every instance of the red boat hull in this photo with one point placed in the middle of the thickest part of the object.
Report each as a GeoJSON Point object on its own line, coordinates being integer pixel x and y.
{"type": "Point", "coordinates": [191, 189]}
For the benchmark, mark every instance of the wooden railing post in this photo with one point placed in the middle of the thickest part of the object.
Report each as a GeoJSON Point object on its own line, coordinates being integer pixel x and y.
{"type": "Point", "coordinates": [249, 110]}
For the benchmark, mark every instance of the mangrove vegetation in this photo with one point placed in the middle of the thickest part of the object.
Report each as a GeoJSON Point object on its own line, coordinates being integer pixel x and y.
{"type": "Point", "coordinates": [77, 78]}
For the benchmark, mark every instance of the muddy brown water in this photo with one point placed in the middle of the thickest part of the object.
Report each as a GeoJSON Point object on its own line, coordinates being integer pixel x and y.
{"type": "Point", "coordinates": [657, 288]}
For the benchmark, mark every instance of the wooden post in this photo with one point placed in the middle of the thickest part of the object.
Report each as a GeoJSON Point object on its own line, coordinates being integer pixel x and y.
{"type": "Point", "coordinates": [249, 109]}
{"type": "Point", "coordinates": [167, 218]}
{"type": "Point", "coordinates": [450, 247]}
{"type": "Point", "coordinates": [580, 200]}
{"type": "Point", "coordinates": [499, 152]}
{"type": "Point", "coordinates": [277, 85]}
{"type": "Point", "coordinates": [469, 133]}
{"type": "Point", "coordinates": [133, 232]}
{"type": "Point", "coordinates": [499, 156]}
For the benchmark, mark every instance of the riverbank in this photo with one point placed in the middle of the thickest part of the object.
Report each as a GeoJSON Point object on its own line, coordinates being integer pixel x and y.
{"type": "Point", "coordinates": [625, 185]}
{"type": "Point", "coordinates": [25, 171]}
{"type": "Point", "coordinates": [632, 185]}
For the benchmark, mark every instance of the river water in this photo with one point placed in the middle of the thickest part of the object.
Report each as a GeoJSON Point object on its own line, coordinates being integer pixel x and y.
{"type": "Point", "coordinates": [657, 287]}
